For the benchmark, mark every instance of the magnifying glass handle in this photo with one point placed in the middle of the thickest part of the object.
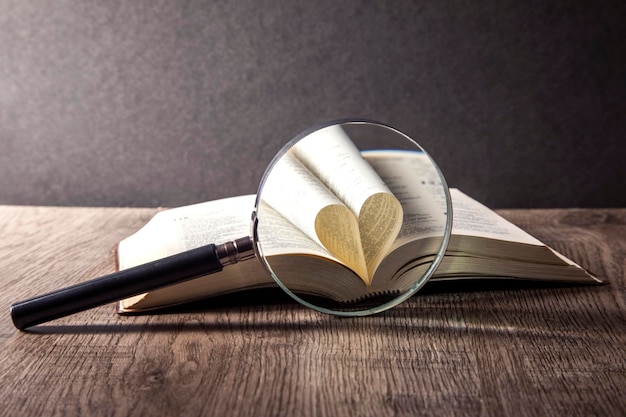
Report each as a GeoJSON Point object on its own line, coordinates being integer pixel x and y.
{"type": "Point", "coordinates": [129, 282]}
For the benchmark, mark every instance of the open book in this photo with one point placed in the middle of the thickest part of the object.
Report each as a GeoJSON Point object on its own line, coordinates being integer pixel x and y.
{"type": "Point", "coordinates": [483, 245]}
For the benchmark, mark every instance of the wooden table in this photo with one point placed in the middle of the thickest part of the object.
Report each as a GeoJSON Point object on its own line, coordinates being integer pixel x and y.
{"type": "Point", "coordinates": [492, 350]}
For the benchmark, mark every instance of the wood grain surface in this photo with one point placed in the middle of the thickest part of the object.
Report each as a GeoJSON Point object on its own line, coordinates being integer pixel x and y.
{"type": "Point", "coordinates": [479, 348]}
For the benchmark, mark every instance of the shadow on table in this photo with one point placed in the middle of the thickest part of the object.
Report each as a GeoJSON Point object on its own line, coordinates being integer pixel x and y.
{"type": "Point", "coordinates": [424, 309]}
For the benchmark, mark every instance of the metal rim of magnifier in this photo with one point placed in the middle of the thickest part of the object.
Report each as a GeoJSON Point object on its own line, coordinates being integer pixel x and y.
{"type": "Point", "coordinates": [400, 298]}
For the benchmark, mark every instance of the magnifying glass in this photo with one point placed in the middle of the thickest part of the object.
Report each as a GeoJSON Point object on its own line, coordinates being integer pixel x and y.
{"type": "Point", "coordinates": [351, 218]}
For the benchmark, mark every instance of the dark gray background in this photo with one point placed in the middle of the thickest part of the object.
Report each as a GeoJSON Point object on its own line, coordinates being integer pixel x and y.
{"type": "Point", "coordinates": [167, 103]}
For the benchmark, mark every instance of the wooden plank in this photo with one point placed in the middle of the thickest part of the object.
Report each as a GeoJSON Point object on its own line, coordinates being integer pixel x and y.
{"type": "Point", "coordinates": [483, 349]}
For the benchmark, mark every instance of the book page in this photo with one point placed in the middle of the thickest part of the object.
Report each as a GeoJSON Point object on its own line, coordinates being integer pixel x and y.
{"type": "Point", "coordinates": [337, 162]}
{"type": "Point", "coordinates": [179, 229]}
{"type": "Point", "coordinates": [332, 157]}
{"type": "Point", "coordinates": [423, 202]}
{"type": "Point", "coordinates": [278, 236]}
{"type": "Point", "coordinates": [172, 231]}
{"type": "Point", "coordinates": [471, 218]}
{"type": "Point", "coordinates": [415, 183]}
{"type": "Point", "coordinates": [175, 230]}
{"type": "Point", "coordinates": [293, 191]}
{"type": "Point", "coordinates": [299, 196]}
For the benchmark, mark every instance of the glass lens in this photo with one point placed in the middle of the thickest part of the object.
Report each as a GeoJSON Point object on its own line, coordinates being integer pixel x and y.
{"type": "Point", "coordinates": [352, 217]}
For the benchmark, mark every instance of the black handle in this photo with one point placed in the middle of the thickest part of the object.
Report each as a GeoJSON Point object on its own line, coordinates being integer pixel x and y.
{"type": "Point", "coordinates": [116, 286]}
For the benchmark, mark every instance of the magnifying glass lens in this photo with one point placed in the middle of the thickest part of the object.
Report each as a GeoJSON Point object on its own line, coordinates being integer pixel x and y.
{"type": "Point", "coordinates": [352, 218]}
